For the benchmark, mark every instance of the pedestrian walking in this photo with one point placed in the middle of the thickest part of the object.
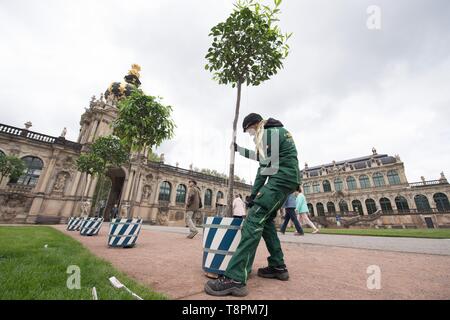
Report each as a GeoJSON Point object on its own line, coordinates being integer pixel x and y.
{"type": "Point", "coordinates": [114, 212]}
{"type": "Point", "coordinates": [192, 207]}
{"type": "Point", "coordinates": [302, 210]}
{"type": "Point", "coordinates": [238, 207]}
{"type": "Point", "coordinates": [290, 215]}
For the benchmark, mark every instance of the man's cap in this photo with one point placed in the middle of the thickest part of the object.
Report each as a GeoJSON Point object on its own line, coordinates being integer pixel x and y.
{"type": "Point", "coordinates": [195, 182]}
{"type": "Point", "coordinates": [251, 119]}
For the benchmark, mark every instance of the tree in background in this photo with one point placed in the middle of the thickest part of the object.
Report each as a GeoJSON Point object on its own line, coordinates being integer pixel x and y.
{"type": "Point", "coordinates": [11, 166]}
{"type": "Point", "coordinates": [248, 48]}
{"type": "Point", "coordinates": [143, 122]}
{"type": "Point", "coordinates": [105, 152]}
{"type": "Point", "coordinates": [90, 164]}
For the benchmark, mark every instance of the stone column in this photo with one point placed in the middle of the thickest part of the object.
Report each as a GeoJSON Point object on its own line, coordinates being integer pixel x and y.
{"type": "Point", "coordinates": [93, 130]}
{"type": "Point", "coordinates": [42, 183]}
{"type": "Point", "coordinates": [173, 193]}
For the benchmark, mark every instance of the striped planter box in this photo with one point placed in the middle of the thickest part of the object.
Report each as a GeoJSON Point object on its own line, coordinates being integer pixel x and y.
{"type": "Point", "coordinates": [74, 223]}
{"type": "Point", "coordinates": [221, 237]}
{"type": "Point", "coordinates": [91, 226]}
{"type": "Point", "coordinates": [124, 232]}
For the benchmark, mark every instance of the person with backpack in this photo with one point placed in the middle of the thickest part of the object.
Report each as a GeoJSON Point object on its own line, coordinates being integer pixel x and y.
{"type": "Point", "coordinates": [194, 203]}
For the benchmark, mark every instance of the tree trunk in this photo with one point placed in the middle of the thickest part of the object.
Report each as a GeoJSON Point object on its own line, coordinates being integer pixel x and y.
{"type": "Point", "coordinates": [83, 190]}
{"type": "Point", "coordinates": [137, 179]}
{"type": "Point", "coordinates": [124, 185]}
{"type": "Point", "coordinates": [229, 211]}
{"type": "Point", "coordinates": [101, 179]}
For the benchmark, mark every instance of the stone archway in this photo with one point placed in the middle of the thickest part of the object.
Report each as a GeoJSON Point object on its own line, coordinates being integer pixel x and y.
{"type": "Point", "coordinates": [117, 176]}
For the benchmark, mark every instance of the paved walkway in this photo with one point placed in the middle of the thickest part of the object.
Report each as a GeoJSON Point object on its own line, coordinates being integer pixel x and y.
{"type": "Point", "coordinates": [413, 245]}
{"type": "Point", "coordinates": [168, 262]}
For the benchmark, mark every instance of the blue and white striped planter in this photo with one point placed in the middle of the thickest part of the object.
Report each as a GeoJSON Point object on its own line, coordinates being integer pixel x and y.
{"type": "Point", "coordinates": [74, 223]}
{"type": "Point", "coordinates": [221, 236]}
{"type": "Point", "coordinates": [91, 226]}
{"type": "Point", "coordinates": [124, 232]}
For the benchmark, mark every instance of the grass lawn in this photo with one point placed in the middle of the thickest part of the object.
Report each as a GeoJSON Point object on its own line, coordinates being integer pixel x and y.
{"type": "Point", "coordinates": [408, 233]}
{"type": "Point", "coordinates": [30, 271]}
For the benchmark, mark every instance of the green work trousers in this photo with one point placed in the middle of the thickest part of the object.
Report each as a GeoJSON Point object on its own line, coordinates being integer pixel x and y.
{"type": "Point", "coordinates": [260, 222]}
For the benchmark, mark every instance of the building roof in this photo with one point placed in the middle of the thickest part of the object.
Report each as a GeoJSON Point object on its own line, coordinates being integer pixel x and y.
{"type": "Point", "coordinates": [358, 163]}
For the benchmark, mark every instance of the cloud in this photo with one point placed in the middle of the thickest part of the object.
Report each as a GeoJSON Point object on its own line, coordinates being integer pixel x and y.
{"type": "Point", "coordinates": [343, 89]}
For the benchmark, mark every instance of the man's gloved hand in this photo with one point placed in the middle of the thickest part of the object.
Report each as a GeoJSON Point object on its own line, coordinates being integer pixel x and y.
{"type": "Point", "coordinates": [249, 201]}
{"type": "Point", "coordinates": [235, 147]}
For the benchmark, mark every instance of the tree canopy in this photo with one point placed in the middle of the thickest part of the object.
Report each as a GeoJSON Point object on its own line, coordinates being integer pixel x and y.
{"type": "Point", "coordinates": [248, 47]}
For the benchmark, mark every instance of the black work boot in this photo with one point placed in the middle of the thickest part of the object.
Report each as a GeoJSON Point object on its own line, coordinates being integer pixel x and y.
{"type": "Point", "coordinates": [225, 286]}
{"type": "Point", "coordinates": [279, 272]}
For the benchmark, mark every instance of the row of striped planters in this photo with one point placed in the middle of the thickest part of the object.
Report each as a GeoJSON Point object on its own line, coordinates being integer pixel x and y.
{"type": "Point", "coordinates": [91, 226]}
{"type": "Point", "coordinates": [124, 232]}
{"type": "Point", "coordinates": [221, 237]}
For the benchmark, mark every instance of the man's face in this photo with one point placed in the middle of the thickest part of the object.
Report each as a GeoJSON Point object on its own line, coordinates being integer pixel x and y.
{"type": "Point", "coordinates": [191, 184]}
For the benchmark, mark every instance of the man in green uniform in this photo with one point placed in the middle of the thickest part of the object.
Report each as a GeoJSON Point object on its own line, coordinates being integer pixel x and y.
{"type": "Point", "coordinates": [277, 156]}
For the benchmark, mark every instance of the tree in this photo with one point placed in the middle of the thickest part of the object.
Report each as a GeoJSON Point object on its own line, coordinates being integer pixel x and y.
{"type": "Point", "coordinates": [142, 122]}
{"type": "Point", "coordinates": [248, 48]}
{"type": "Point", "coordinates": [11, 166]}
{"type": "Point", "coordinates": [90, 164]}
{"type": "Point", "coordinates": [104, 152]}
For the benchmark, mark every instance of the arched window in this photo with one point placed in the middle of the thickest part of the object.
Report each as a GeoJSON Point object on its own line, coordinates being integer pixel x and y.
{"type": "Point", "coordinates": [311, 209]}
{"type": "Point", "coordinates": [343, 207]}
{"type": "Point", "coordinates": [402, 204]}
{"type": "Point", "coordinates": [164, 191]}
{"type": "Point", "coordinates": [338, 185]}
{"type": "Point", "coordinates": [364, 182]}
{"type": "Point", "coordinates": [385, 205]}
{"type": "Point", "coordinates": [331, 208]}
{"type": "Point", "coordinates": [220, 196]}
{"type": "Point", "coordinates": [371, 206]}
{"type": "Point", "coordinates": [378, 179]}
{"type": "Point", "coordinates": [181, 194]}
{"type": "Point", "coordinates": [422, 203]}
{"type": "Point", "coordinates": [357, 207]}
{"type": "Point", "coordinates": [208, 198]}
{"type": "Point", "coordinates": [393, 177]}
{"type": "Point", "coordinates": [316, 187]}
{"type": "Point", "coordinates": [326, 186]}
{"type": "Point", "coordinates": [441, 201]}
{"type": "Point", "coordinates": [306, 189]}
{"type": "Point", "coordinates": [351, 183]}
{"type": "Point", "coordinates": [31, 174]}
{"type": "Point", "coordinates": [320, 209]}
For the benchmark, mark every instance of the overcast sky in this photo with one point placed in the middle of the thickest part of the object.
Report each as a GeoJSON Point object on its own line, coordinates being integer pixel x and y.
{"type": "Point", "coordinates": [343, 90]}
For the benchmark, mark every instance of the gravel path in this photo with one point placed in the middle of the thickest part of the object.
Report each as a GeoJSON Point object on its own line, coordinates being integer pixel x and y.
{"type": "Point", "coordinates": [171, 264]}
{"type": "Point", "coordinates": [413, 245]}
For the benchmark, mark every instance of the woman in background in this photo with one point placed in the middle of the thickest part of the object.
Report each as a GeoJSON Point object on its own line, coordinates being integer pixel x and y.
{"type": "Point", "coordinates": [302, 210]}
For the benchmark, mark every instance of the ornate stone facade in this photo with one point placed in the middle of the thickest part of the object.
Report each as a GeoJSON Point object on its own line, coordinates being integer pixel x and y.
{"type": "Point", "coordinates": [375, 184]}
{"type": "Point", "coordinates": [54, 187]}
{"type": "Point", "coordinates": [371, 191]}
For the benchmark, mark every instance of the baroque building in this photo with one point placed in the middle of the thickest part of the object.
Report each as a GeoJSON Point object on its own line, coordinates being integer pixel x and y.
{"type": "Point", "coordinates": [370, 191]}
{"type": "Point", "coordinates": [51, 189]}
{"type": "Point", "coordinates": [374, 191]}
